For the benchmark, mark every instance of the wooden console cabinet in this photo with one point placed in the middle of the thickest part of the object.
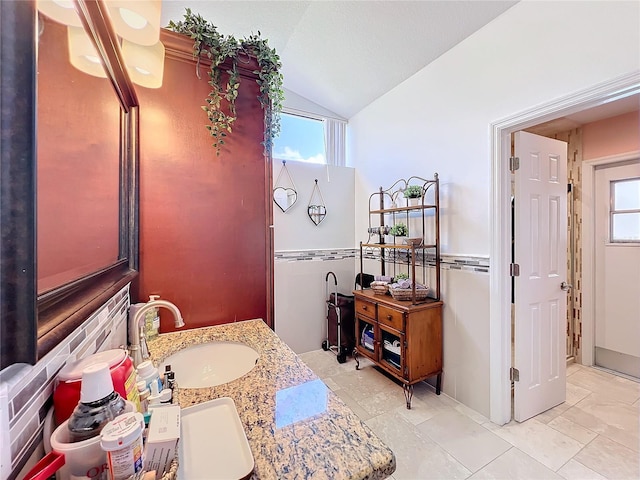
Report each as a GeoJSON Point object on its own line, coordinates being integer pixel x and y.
{"type": "Point", "coordinates": [415, 329]}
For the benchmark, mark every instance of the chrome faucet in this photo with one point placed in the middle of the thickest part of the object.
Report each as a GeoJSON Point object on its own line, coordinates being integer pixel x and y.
{"type": "Point", "coordinates": [136, 328]}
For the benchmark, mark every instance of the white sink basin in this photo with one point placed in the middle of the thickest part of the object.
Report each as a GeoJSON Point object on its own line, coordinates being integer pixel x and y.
{"type": "Point", "coordinates": [210, 364]}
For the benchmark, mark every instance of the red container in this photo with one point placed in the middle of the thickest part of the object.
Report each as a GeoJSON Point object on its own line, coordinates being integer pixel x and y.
{"type": "Point", "coordinates": [67, 392]}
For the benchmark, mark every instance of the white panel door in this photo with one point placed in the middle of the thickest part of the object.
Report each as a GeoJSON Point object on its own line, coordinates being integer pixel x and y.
{"type": "Point", "coordinates": [541, 252]}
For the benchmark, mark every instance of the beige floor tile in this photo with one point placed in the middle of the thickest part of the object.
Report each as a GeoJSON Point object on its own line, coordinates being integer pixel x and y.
{"type": "Point", "coordinates": [573, 368]}
{"type": "Point", "coordinates": [362, 383]}
{"type": "Point", "coordinates": [324, 364]}
{"type": "Point", "coordinates": [377, 403]}
{"type": "Point", "coordinates": [550, 447]}
{"type": "Point", "coordinates": [416, 457]}
{"type": "Point", "coordinates": [555, 412]}
{"type": "Point", "coordinates": [470, 443]}
{"type": "Point", "coordinates": [331, 383]}
{"type": "Point", "coordinates": [420, 411]}
{"type": "Point", "coordinates": [515, 464]}
{"type": "Point", "coordinates": [606, 385]}
{"type": "Point", "coordinates": [573, 470]}
{"type": "Point", "coordinates": [426, 404]}
{"type": "Point", "coordinates": [472, 414]}
{"type": "Point", "coordinates": [575, 393]}
{"type": "Point", "coordinates": [603, 415]}
{"type": "Point", "coordinates": [572, 429]}
{"type": "Point", "coordinates": [610, 459]}
{"type": "Point", "coordinates": [353, 404]}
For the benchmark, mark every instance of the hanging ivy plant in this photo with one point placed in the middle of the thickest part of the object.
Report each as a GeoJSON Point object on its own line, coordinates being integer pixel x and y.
{"type": "Point", "coordinates": [218, 48]}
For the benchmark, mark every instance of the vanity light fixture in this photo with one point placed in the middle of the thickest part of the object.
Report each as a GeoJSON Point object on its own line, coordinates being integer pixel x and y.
{"type": "Point", "coordinates": [61, 11]}
{"type": "Point", "coordinates": [83, 54]}
{"type": "Point", "coordinates": [138, 21]}
{"type": "Point", "coordinates": [144, 63]}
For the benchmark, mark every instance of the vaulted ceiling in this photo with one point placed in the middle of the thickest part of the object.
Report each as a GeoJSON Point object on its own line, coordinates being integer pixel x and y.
{"type": "Point", "coordinates": [344, 54]}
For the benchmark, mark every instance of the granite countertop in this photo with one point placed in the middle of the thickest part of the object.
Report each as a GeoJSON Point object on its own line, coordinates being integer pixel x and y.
{"type": "Point", "coordinates": [310, 434]}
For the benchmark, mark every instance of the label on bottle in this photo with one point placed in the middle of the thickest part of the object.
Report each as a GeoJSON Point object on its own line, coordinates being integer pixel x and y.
{"type": "Point", "coordinates": [125, 462]}
{"type": "Point", "coordinates": [131, 390]}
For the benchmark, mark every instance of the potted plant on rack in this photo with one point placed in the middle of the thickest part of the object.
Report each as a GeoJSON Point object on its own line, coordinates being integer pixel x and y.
{"type": "Point", "coordinates": [400, 276]}
{"type": "Point", "coordinates": [399, 230]}
{"type": "Point", "coordinates": [413, 193]}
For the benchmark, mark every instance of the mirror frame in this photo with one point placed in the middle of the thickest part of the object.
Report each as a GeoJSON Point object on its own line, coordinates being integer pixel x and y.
{"type": "Point", "coordinates": [32, 325]}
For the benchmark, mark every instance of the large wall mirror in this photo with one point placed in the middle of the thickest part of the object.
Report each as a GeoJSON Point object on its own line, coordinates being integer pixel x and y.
{"type": "Point", "coordinates": [69, 150]}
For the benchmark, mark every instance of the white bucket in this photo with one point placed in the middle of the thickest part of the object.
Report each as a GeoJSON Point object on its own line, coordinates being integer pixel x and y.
{"type": "Point", "coordinates": [83, 460]}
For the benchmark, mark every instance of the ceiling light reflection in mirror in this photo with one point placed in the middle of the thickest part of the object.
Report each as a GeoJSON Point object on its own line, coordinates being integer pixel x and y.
{"type": "Point", "coordinates": [136, 23]}
{"type": "Point", "coordinates": [83, 54]}
{"type": "Point", "coordinates": [301, 402]}
{"type": "Point", "coordinates": [62, 11]}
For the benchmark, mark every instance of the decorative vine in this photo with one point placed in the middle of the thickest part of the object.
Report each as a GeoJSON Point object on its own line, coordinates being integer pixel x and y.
{"type": "Point", "coordinates": [218, 48]}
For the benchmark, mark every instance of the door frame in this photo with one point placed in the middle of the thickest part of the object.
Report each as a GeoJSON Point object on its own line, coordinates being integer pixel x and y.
{"type": "Point", "coordinates": [500, 208]}
{"type": "Point", "coordinates": [587, 350]}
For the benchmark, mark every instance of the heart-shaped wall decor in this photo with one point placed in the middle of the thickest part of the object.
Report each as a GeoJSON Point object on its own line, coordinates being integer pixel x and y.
{"type": "Point", "coordinates": [284, 198]}
{"type": "Point", "coordinates": [317, 213]}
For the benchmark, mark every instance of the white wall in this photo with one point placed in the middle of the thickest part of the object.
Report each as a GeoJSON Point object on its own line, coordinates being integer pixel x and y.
{"type": "Point", "coordinates": [294, 230]}
{"type": "Point", "coordinates": [438, 121]}
{"type": "Point", "coordinates": [306, 252]}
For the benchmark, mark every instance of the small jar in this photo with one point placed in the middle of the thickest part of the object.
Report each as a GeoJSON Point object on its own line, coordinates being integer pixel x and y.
{"type": "Point", "coordinates": [122, 440]}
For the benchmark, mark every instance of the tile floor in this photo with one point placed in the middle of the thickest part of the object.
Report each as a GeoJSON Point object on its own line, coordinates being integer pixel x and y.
{"type": "Point", "coordinates": [593, 435]}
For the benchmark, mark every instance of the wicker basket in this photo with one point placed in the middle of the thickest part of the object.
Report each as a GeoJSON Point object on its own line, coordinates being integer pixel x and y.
{"type": "Point", "coordinates": [406, 293]}
{"type": "Point", "coordinates": [379, 288]}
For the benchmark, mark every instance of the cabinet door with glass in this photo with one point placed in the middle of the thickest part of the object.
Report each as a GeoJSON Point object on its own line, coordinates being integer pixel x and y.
{"type": "Point", "coordinates": [367, 337]}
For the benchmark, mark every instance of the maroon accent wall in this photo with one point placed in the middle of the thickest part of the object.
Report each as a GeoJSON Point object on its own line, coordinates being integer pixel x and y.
{"type": "Point", "coordinates": [205, 240]}
{"type": "Point", "coordinates": [78, 166]}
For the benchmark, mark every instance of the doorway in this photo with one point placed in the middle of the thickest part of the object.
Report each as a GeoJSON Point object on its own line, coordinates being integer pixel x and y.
{"type": "Point", "coordinates": [616, 202]}
{"type": "Point", "coordinates": [500, 301]}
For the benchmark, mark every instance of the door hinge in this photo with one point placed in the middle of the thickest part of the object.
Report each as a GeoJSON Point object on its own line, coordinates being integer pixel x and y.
{"type": "Point", "coordinates": [514, 270]}
{"type": "Point", "coordinates": [514, 164]}
{"type": "Point", "coordinates": [514, 374]}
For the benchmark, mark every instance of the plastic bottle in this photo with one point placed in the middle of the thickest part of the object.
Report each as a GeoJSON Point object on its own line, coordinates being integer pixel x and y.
{"type": "Point", "coordinates": [154, 398]}
{"type": "Point", "coordinates": [122, 440]}
{"type": "Point", "coordinates": [99, 404]}
{"type": "Point", "coordinates": [149, 373]}
{"type": "Point", "coordinates": [152, 320]}
{"type": "Point", "coordinates": [169, 377]}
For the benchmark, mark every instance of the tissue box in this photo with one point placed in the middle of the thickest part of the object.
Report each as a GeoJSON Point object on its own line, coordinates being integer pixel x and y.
{"type": "Point", "coordinates": [162, 439]}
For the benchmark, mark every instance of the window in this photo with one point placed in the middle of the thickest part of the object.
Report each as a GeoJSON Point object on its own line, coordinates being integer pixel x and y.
{"type": "Point", "coordinates": [625, 211]}
{"type": "Point", "coordinates": [311, 138]}
{"type": "Point", "coordinates": [301, 139]}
